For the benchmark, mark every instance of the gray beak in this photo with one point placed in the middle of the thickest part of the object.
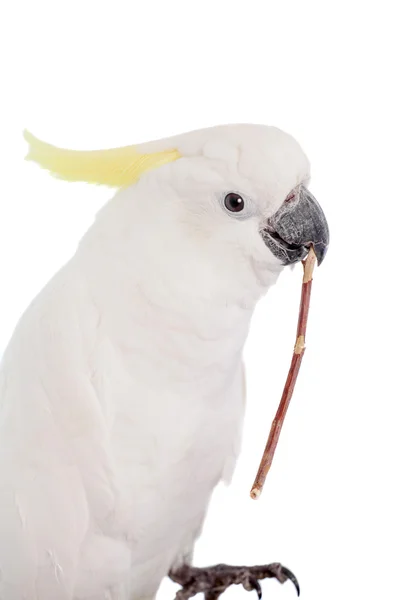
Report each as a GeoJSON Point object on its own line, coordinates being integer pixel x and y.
{"type": "Point", "coordinates": [299, 224]}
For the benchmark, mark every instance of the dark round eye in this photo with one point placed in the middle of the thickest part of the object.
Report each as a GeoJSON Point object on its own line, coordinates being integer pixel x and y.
{"type": "Point", "coordinates": [233, 202]}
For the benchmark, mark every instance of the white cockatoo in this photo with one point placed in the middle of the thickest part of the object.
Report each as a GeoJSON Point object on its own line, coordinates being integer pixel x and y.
{"type": "Point", "coordinates": [121, 391]}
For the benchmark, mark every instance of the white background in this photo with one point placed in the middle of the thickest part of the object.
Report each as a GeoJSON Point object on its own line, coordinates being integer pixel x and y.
{"type": "Point", "coordinates": [101, 74]}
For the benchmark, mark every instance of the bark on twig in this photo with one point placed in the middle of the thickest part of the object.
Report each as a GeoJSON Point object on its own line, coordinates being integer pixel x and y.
{"type": "Point", "coordinates": [298, 353]}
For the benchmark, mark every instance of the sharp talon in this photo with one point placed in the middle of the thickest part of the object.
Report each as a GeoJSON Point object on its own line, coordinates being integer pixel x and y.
{"type": "Point", "coordinates": [289, 575]}
{"type": "Point", "coordinates": [255, 585]}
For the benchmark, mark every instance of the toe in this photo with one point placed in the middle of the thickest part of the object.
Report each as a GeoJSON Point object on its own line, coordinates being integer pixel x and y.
{"type": "Point", "coordinates": [289, 575]}
{"type": "Point", "coordinates": [254, 584]}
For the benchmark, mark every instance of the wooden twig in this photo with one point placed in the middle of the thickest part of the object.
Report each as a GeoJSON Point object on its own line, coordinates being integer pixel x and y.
{"type": "Point", "coordinates": [298, 353]}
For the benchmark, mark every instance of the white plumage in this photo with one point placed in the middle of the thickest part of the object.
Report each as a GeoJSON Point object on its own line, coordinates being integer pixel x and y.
{"type": "Point", "coordinates": [121, 391]}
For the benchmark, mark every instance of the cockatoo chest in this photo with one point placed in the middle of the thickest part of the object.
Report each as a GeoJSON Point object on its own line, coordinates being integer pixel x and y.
{"type": "Point", "coordinates": [173, 403]}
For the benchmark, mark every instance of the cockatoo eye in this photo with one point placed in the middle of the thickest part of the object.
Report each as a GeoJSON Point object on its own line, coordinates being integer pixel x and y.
{"type": "Point", "coordinates": [233, 202]}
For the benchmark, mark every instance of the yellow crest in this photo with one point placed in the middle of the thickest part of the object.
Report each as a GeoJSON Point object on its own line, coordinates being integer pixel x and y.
{"type": "Point", "coordinates": [117, 167]}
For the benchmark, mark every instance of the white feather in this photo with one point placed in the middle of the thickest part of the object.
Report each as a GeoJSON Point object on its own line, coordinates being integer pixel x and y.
{"type": "Point", "coordinates": [121, 392]}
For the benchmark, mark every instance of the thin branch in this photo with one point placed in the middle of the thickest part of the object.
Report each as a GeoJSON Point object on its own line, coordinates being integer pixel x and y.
{"type": "Point", "coordinates": [298, 353]}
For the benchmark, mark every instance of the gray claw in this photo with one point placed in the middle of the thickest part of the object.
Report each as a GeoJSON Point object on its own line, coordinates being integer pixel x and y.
{"type": "Point", "coordinates": [292, 577]}
{"type": "Point", "coordinates": [213, 581]}
{"type": "Point", "coordinates": [255, 585]}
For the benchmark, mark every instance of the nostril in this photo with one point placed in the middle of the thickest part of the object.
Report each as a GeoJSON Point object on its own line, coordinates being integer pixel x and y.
{"type": "Point", "coordinates": [291, 197]}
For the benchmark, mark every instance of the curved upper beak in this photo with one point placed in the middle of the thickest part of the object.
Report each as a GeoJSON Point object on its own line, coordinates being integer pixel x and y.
{"type": "Point", "coordinates": [299, 224]}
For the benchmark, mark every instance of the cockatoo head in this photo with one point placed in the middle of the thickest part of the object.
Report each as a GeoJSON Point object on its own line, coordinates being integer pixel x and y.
{"type": "Point", "coordinates": [247, 185]}
{"type": "Point", "coordinates": [235, 194]}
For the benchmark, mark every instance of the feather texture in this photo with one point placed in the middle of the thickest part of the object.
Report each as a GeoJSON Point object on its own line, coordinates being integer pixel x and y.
{"type": "Point", "coordinates": [117, 167]}
{"type": "Point", "coordinates": [121, 391]}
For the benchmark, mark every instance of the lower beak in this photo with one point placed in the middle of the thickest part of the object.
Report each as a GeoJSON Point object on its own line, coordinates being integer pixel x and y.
{"type": "Point", "coordinates": [299, 224]}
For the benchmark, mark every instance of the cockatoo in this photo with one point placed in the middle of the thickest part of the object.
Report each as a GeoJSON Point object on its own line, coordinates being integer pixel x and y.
{"type": "Point", "coordinates": [122, 390]}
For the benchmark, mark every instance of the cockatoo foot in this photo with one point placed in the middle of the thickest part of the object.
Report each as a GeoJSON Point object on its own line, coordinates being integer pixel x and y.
{"type": "Point", "coordinates": [213, 581]}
